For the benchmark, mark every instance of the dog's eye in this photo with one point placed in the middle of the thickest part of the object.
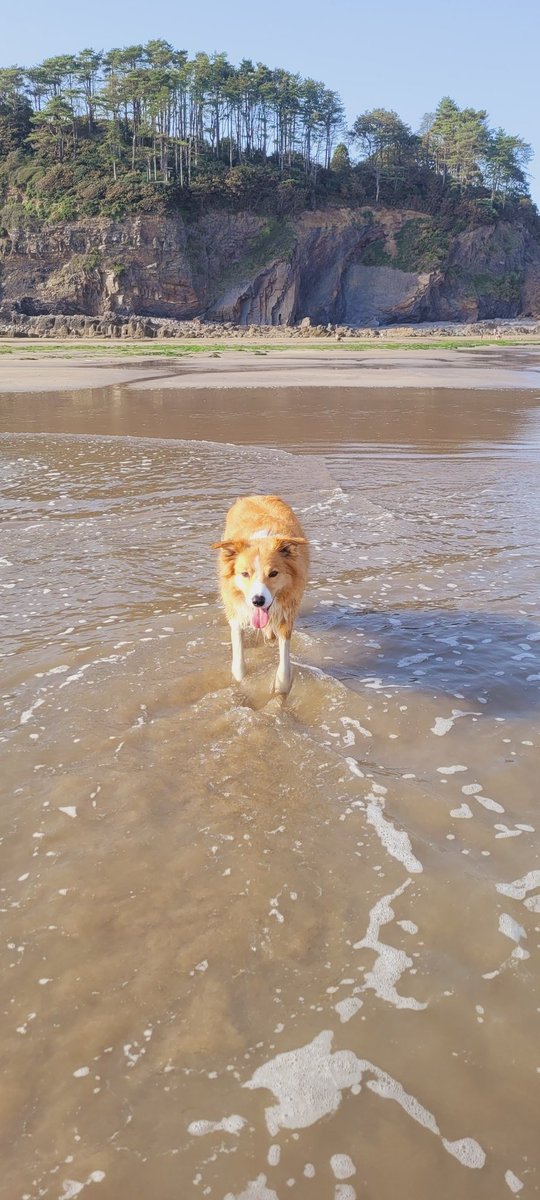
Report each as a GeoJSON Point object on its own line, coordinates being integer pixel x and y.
{"type": "Point", "coordinates": [272, 574]}
{"type": "Point", "coordinates": [245, 574]}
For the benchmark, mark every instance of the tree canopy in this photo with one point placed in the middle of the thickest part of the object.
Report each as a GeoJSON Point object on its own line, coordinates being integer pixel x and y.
{"type": "Point", "coordinates": [145, 125]}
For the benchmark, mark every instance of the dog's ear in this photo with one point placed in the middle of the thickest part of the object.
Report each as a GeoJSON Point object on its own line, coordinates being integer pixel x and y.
{"type": "Point", "coordinates": [287, 546]}
{"type": "Point", "coordinates": [230, 548]}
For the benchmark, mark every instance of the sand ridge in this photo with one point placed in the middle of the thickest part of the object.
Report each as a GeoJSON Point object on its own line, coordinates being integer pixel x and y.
{"type": "Point", "coordinates": [513, 367]}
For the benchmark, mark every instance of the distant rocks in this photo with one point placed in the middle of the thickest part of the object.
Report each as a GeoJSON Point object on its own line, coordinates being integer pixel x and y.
{"type": "Point", "coordinates": [319, 274]}
{"type": "Point", "coordinates": [57, 326]}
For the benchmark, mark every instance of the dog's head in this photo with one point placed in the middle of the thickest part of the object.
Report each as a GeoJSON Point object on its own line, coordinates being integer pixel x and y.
{"type": "Point", "coordinates": [260, 570]}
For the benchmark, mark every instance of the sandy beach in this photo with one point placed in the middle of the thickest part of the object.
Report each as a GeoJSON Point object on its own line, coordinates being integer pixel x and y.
{"type": "Point", "coordinates": [483, 367]}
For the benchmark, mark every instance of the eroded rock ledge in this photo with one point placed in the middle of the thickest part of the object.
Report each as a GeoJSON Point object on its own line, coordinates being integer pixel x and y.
{"type": "Point", "coordinates": [348, 268]}
{"type": "Point", "coordinates": [60, 326]}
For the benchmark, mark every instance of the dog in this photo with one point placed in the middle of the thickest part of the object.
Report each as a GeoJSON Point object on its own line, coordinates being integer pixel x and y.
{"type": "Point", "coordinates": [263, 567]}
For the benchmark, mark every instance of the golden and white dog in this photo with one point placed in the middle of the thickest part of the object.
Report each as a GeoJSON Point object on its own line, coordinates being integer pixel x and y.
{"type": "Point", "coordinates": [263, 566]}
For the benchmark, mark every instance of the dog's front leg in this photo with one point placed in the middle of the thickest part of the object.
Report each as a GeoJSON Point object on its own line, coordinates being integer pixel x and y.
{"type": "Point", "coordinates": [284, 671]}
{"type": "Point", "coordinates": [238, 666]}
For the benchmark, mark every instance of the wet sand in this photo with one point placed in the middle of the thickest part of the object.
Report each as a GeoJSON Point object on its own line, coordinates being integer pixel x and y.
{"type": "Point", "coordinates": [484, 367]}
{"type": "Point", "coordinates": [257, 948]}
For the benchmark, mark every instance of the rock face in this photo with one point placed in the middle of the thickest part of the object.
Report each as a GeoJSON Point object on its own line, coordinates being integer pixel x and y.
{"type": "Point", "coordinates": [343, 267]}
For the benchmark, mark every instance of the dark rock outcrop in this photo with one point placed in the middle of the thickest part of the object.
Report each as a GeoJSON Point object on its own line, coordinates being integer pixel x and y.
{"type": "Point", "coordinates": [344, 267]}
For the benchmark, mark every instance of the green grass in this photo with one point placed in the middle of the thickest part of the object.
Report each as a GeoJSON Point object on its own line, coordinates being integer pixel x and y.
{"type": "Point", "coordinates": [182, 349]}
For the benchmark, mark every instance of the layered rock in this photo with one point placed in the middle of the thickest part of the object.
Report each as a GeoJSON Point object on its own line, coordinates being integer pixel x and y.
{"type": "Point", "coordinates": [351, 268]}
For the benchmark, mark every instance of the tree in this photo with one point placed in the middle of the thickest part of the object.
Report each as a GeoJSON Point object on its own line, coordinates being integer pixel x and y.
{"type": "Point", "coordinates": [340, 161]}
{"type": "Point", "coordinates": [383, 139]}
{"type": "Point", "coordinates": [15, 110]}
{"type": "Point", "coordinates": [505, 160]}
{"type": "Point", "coordinates": [333, 121]}
{"type": "Point", "coordinates": [160, 117]}
{"type": "Point", "coordinates": [459, 140]}
{"type": "Point", "coordinates": [52, 128]}
{"type": "Point", "coordinates": [86, 68]}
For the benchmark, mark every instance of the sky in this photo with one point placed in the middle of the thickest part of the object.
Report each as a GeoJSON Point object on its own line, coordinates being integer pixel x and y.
{"type": "Point", "coordinates": [405, 56]}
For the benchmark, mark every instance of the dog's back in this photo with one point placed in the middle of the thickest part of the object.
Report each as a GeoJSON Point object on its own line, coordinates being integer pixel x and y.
{"type": "Point", "coordinates": [262, 515]}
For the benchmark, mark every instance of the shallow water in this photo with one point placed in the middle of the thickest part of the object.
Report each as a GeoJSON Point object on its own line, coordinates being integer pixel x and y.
{"type": "Point", "coordinates": [256, 948]}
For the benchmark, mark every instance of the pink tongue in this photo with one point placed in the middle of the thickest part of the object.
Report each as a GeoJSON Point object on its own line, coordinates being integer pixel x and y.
{"type": "Point", "coordinates": [259, 618]}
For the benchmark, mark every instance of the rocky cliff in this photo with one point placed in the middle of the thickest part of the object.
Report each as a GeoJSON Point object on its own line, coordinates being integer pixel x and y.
{"type": "Point", "coordinates": [347, 267]}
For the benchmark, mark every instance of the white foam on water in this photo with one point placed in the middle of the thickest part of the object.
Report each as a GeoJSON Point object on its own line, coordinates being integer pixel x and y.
{"type": "Point", "coordinates": [414, 658]}
{"type": "Point", "coordinates": [233, 1125]}
{"type": "Point", "coordinates": [467, 1151]}
{"type": "Point", "coordinates": [471, 789]}
{"type": "Point", "coordinates": [344, 1191]}
{"type": "Point", "coordinates": [510, 928]}
{"type": "Point", "coordinates": [72, 1187]}
{"type": "Point", "coordinates": [350, 721]}
{"type": "Point", "coordinates": [305, 1082]}
{"type": "Point", "coordinates": [354, 768]}
{"type": "Point", "coordinates": [443, 725]}
{"type": "Point", "coordinates": [256, 1189]}
{"type": "Point", "coordinates": [462, 812]}
{"type": "Point", "coordinates": [390, 962]}
{"type": "Point", "coordinates": [451, 770]}
{"type": "Point", "coordinates": [347, 1008]}
{"type": "Point", "coordinates": [513, 1182]}
{"type": "Point", "coordinates": [390, 1089]}
{"type": "Point", "coordinates": [73, 678]}
{"type": "Point", "coordinates": [396, 842]}
{"type": "Point", "coordinates": [308, 1085]}
{"type": "Point", "coordinates": [490, 804]}
{"type": "Point", "coordinates": [81, 1072]}
{"type": "Point", "coordinates": [519, 887]}
{"type": "Point", "coordinates": [408, 926]}
{"type": "Point", "coordinates": [505, 832]}
{"type": "Point", "coordinates": [342, 1166]}
{"type": "Point", "coordinates": [274, 1155]}
{"type": "Point", "coordinates": [133, 1055]}
{"type": "Point", "coordinates": [309, 1171]}
{"type": "Point", "coordinates": [29, 712]}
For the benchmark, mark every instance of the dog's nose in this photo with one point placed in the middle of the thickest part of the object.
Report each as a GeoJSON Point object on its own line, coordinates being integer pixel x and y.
{"type": "Point", "coordinates": [258, 601]}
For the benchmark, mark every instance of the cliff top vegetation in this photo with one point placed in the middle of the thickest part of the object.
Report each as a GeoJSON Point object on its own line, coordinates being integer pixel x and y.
{"type": "Point", "coordinates": [147, 129]}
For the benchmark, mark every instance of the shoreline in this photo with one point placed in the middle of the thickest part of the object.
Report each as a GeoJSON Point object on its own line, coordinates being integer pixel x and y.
{"type": "Point", "coordinates": [154, 367]}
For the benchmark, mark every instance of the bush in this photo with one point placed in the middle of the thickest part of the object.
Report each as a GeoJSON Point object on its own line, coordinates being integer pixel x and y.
{"type": "Point", "coordinates": [13, 216]}
{"type": "Point", "coordinates": [64, 209]}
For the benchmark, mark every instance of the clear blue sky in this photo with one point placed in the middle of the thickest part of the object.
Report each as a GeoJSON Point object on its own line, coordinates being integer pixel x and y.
{"type": "Point", "coordinates": [483, 53]}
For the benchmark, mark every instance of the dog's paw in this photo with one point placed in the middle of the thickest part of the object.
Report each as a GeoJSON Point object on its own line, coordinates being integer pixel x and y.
{"type": "Point", "coordinates": [282, 684]}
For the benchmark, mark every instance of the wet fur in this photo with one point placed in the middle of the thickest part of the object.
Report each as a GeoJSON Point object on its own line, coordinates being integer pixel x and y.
{"type": "Point", "coordinates": [263, 536]}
